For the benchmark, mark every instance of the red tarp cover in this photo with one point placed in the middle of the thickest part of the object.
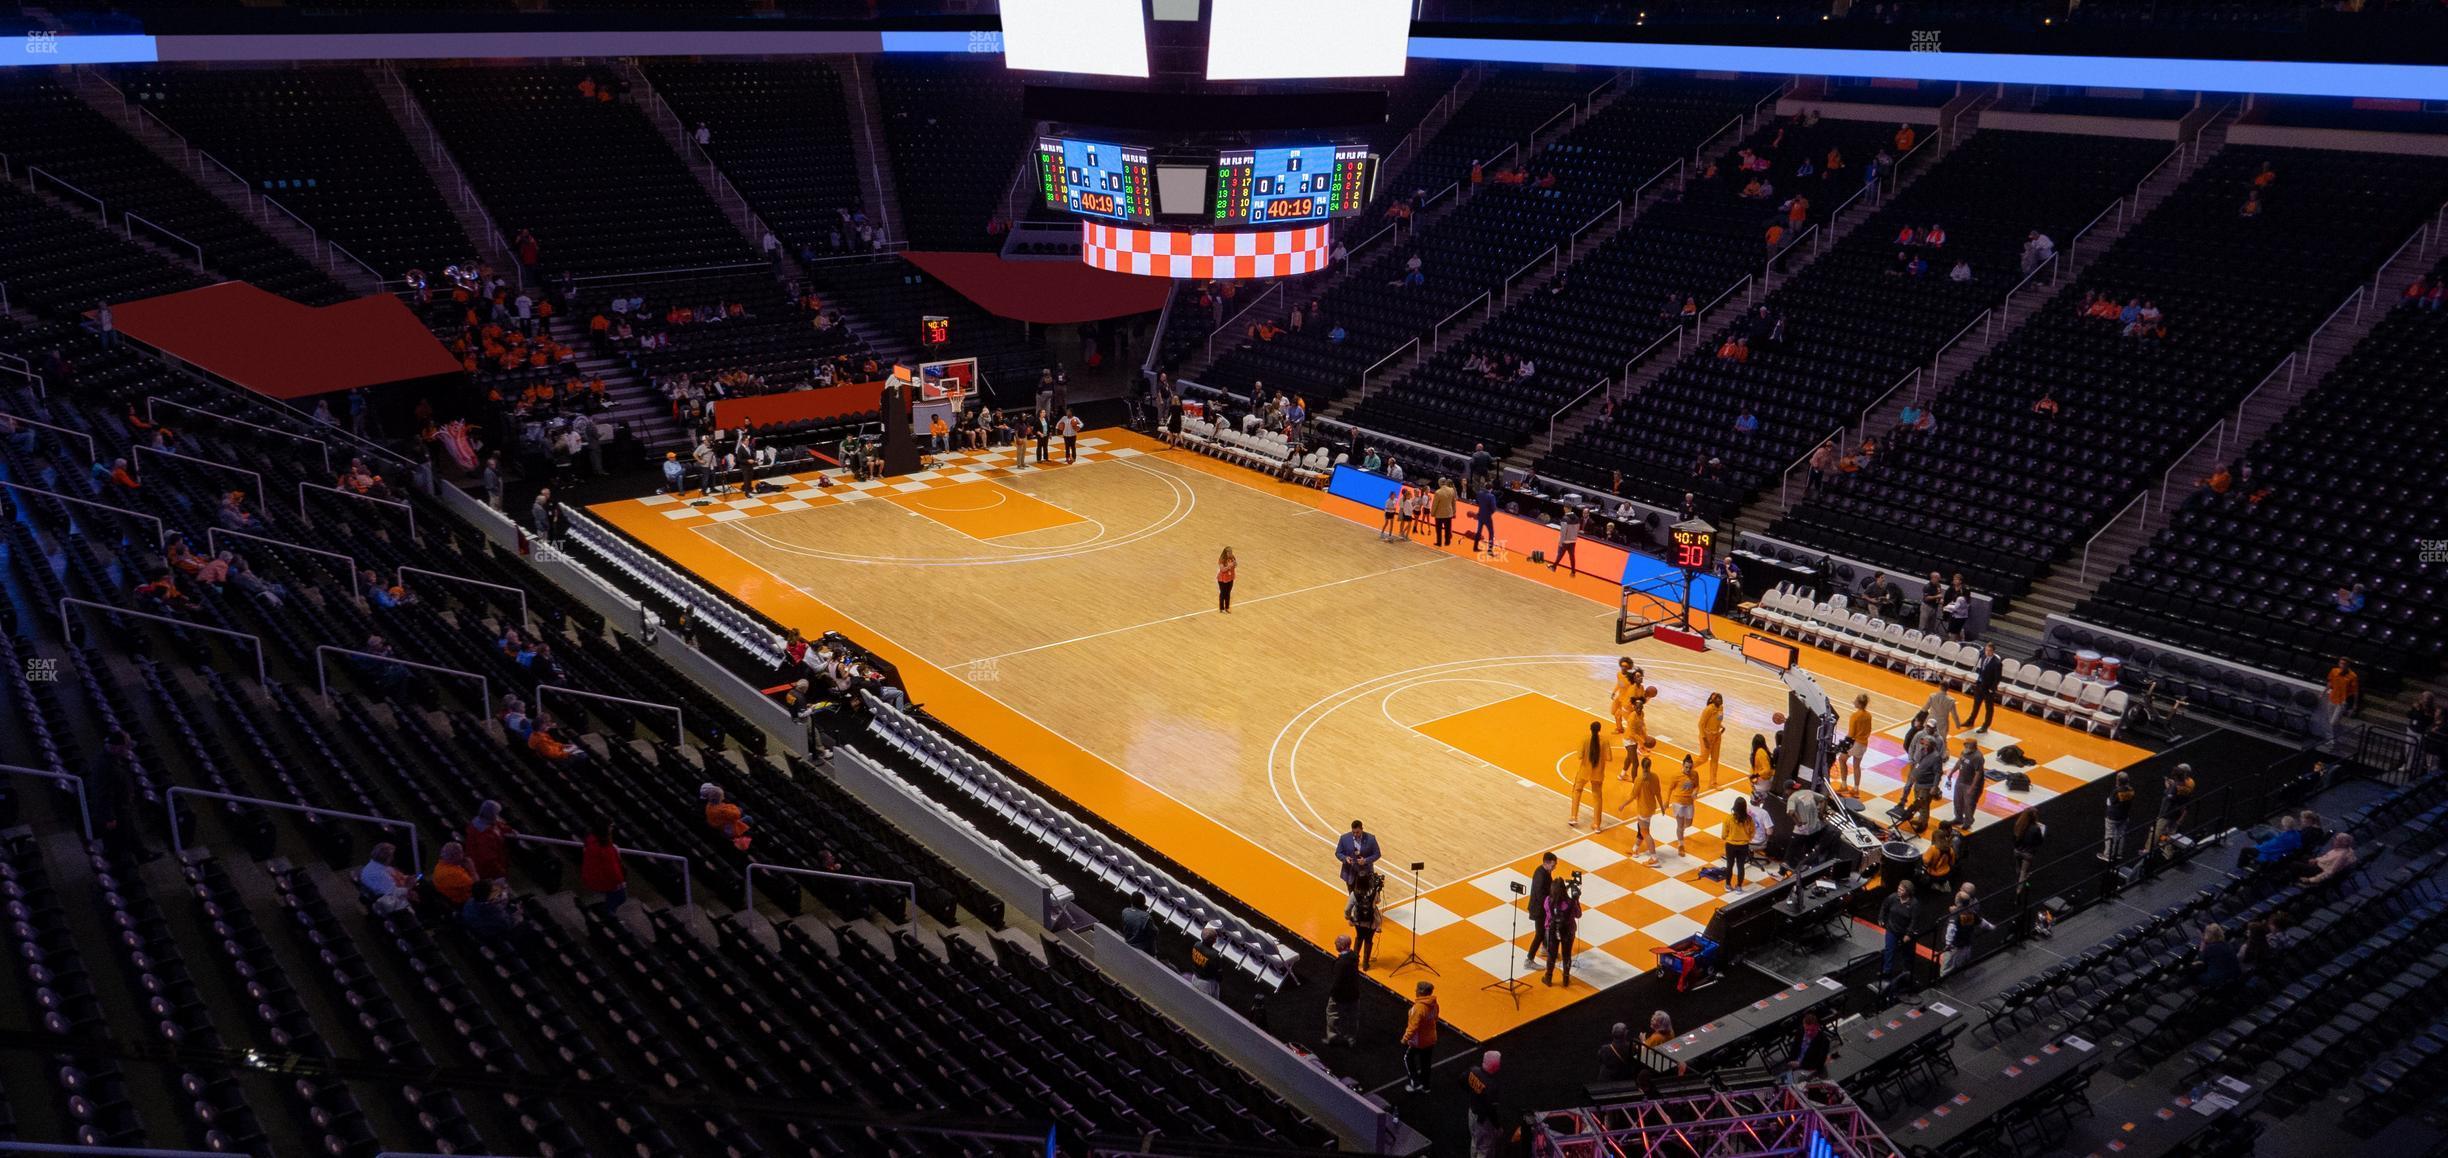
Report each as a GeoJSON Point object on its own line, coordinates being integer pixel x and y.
{"type": "Point", "coordinates": [1047, 292]}
{"type": "Point", "coordinates": [276, 347]}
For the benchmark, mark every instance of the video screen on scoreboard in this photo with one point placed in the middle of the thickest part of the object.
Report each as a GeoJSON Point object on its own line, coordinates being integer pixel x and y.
{"type": "Point", "coordinates": [1299, 183]}
{"type": "Point", "coordinates": [1096, 178]}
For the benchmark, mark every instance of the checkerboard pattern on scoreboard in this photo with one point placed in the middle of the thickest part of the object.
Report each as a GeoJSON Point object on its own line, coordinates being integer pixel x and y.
{"type": "Point", "coordinates": [803, 493]}
{"type": "Point", "coordinates": [1205, 256]}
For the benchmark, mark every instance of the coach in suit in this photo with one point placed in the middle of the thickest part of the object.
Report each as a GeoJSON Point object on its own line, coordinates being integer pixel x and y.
{"type": "Point", "coordinates": [1985, 679]}
{"type": "Point", "coordinates": [1359, 853]}
{"type": "Point", "coordinates": [1441, 508]}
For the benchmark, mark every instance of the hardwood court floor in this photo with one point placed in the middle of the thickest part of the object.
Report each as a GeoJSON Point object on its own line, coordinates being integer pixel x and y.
{"type": "Point", "coordinates": [1065, 616]}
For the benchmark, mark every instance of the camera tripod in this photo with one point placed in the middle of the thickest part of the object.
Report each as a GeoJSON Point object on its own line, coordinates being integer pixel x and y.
{"type": "Point", "coordinates": [1412, 957]}
{"type": "Point", "coordinates": [1512, 985]}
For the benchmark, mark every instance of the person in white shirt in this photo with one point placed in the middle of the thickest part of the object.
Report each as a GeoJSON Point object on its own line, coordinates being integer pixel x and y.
{"type": "Point", "coordinates": [389, 887]}
{"type": "Point", "coordinates": [1069, 427]}
{"type": "Point", "coordinates": [705, 136]}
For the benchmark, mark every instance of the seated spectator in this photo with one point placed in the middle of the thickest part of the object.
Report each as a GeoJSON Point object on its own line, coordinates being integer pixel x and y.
{"type": "Point", "coordinates": [514, 720]}
{"type": "Point", "coordinates": [1934, 236]}
{"type": "Point", "coordinates": [2333, 862]}
{"type": "Point", "coordinates": [556, 744]}
{"type": "Point", "coordinates": [723, 816]}
{"type": "Point", "coordinates": [2348, 598]}
{"type": "Point", "coordinates": [453, 878]}
{"type": "Point", "coordinates": [233, 514]}
{"type": "Point", "coordinates": [1746, 423]}
{"type": "Point", "coordinates": [1962, 272]}
{"type": "Point", "coordinates": [2279, 845]}
{"type": "Point", "coordinates": [2218, 965]}
{"type": "Point", "coordinates": [488, 914]}
{"type": "Point", "coordinates": [2047, 406]}
{"type": "Point", "coordinates": [2252, 205]}
{"type": "Point", "coordinates": [161, 595]}
{"type": "Point", "coordinates": [388, 888]}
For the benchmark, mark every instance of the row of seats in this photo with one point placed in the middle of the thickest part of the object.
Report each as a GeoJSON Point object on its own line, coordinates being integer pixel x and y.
{"type": "Point", "coordinates": [2088, 704]}
{"type": "Point", "coordinates": [1266, 451]}
{"type": "Point", "coordinates": [1255, 953]}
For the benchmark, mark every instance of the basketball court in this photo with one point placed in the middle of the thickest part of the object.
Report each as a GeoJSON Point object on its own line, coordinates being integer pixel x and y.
{"type": "Point", "coordinates": [1064, 616]}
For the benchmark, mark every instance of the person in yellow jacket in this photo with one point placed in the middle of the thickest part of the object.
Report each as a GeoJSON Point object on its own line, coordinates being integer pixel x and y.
{"type": "Point", "coordinates": [1712, 732]}
{"type": "Point", "coordinates": [1857, 729]}
{"type": "Point", "coordinates": [1632, 691]}
{"type": "Point", "coordinates": [1763, 762]}
{"type": "Point", "coordinates": [1589, 775]}
{"type": "Point", "coordinates": [1738, 828]}
{"type": "Point", "coordinates": [1419, 1037]}
{"type": "Point", "coordinates": [1645, 804]}
{"type": "Point", "coordinates": [1682, 800]}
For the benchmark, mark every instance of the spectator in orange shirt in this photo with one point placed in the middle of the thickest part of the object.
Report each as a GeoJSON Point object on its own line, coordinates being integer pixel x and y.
{"type": "Point", "coordinates": [723, 816]}
{"type": "Point", "coordinates": [1905, 138]}
{"type": "Point", "coordinates": [453, 876]}
{"type": "Point", "coordinates": [120, 474]}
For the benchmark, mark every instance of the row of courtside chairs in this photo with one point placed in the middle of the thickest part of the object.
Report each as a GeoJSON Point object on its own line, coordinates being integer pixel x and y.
{"type": "Point", "coordinates": [1834, 625]}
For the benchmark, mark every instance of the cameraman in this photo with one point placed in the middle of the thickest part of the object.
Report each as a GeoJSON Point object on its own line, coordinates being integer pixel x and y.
{"type": "Point", "coordinates": [1562, 913]}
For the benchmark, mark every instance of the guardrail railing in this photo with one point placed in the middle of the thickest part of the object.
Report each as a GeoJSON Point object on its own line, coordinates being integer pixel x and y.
{"type": "Point", "coordinates": [1676, 335]}
{"type": "Point", "coordinates": [212, 542]}
{"type": "Point", "coordinates": [1785, 478]}
{"type": "Point", "coordinates": [161, 532]}
{"type": "Point", "coordinates": [1594, 387]}
{"type": "Point", "coordinates": [178, 845]}
{"type": "Point", "coordinates": [1413, 345]}
{"type": "Point", "coordinates": [22, 420]}
{"type": "Point", "coordinates": [67, 628]}
{"type": "Point", "coordinates": [33, 171]}
{"type": "Point", "coordinates": [2168, 480]}
{"type": "Point", "coordinates": [150, 416]}
{"type": "Point", "coordinates": [129, 221]}
{"type": "Point", "coordinates": [688, 883]}
{"type": "Point", "coordinates": [679, 718]}
{"type": "Point", "coordinates": [748, 882]}
{"type": "Point", "coordinates": [484, 686]}
{"type": "Point", "coordinates": [1239, 314]}
{"type": "Point", "coordinates": [2083, 574]}
{"type": "Point", "coordinates": [72, 780]}
{"type": "Point", "coordinates": [1550, 254]}
{"type": "Point", "coordinates": [206, 463]}
{"type": "Point", "coordinates": [1436, 333]}
{"type": "Point", "coordinates": [2287, 366]}
{"type": "Point", "coordinates": [514, 592]}
{"type": "Point", "coordinates": [304, 486]}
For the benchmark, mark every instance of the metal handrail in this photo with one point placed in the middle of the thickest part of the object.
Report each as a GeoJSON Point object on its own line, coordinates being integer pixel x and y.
{"type": "Point", "coordinates": [178, 845]}
{"type": "Point", "coordinates": [260, 668]}
{"type": "Point", "coordinates": [2074, 244]}
{"type": "Point", "coordinates": [1642, 190]}
{"type": "Point", "coordinates": [323, 671]}
{"type": "Point", "coordinates": [1543, 255]}
{"type": "Point", "coordinates": [304, 486]}
{"type": "Point", "coordinates": [332, 249]}
{"type": "Point", "coordinates": [1351, 251]}
{"type": "Point", "coordinates": [2005, 307]}
{"type": "Point", "coordinates": [688, 885]}
{"type": "Point", "coordinates": [1491, 165]}
{"type": "Point", "coordinates": [2083, 574]}
{"type": "Point", "coordinates": [1746, 284]}
{"type": "Point", "coordinates": [1451, 188]}
{"type": "Point", "coordinates": [212, 542]}
{"type": "Point", "coordinates": [1674, 335]}
{"type": "Point", "coordinates": [2287, 364]}
{"type": "Point", "coordinates": [679, 718]}
{"type": "Point", "coordinates": [1413, 345]}
{"type": "Point", "coordinates": [2169, 479]}
{"type": "Point", "coordinates": [1700, 154]}
{"type": "Point", "coordinates": [144, 114]}
{"type": "Point", "coordinates": [1616, 210]}
{"type": "Point", "coordinates": [1861, 424]}
{"type": "Point", "coordinates": [1570, 110]}
{"type": "Point", "coordinates": [1595, 387]}
{"type": "Point", "coordinates": [748, 881]}
{"type": "Point", "coordinates": [90, 455]}
{"type": "Point", "coordinates": [524, 618]}
{"type": "Point", "coordinates": [249, 190]}
{"type": "Point", "coordinates": [161, 532]}
{"type": "Point", "coordinates": [84, 806]}
{"type": "Point", "coordinates": [128, 222]}
{"type": "Point", "coordinates": [313, 238]}
{"type": "Point", "coordinates": [151, 402]}
{"type": "Point", "coordinates": [2354, 298]}
{"type": "Point", "coordinates": [142, 448]}
{"type": "Point", "coordinates": [1238, 314]}
{"type": "Point", "coordinates": [1981, 319]}
{"type": "Point", "coordinates": [1785, 480]}
{"type": "Point", "coordinates": [1436, 333]}
{"type": "Point", "coordinates": [33, 171]}
{"type": "Point", "coordinates": [645, 273]}
{"type": "Point", "coordinates": [1768, 268]}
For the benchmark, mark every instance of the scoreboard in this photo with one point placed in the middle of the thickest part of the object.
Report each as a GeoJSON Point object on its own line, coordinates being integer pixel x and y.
{"type": "Point", "coordinates": [1304, 183]}
{"type": "Point", "coordinates": [1096, 178]}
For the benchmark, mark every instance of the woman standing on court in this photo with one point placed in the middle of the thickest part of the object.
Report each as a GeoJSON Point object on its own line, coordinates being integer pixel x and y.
{"type": "Point", "coordinates": [1763, 761]}
{"type": "Point", "coordinates": [1644, 805]}
{"type": "Point", "coordinates": [1737, 844]}
{"type": "Point", "coordinates": [1226, 568]}
{"type": "Point", "coordinates": [1589, 775]}
{"type": "Point", "coordinates": [1857, 729]}
{"type": "Point", "coordinates": [1712, 732]}
{"type": "Point", "coordinates": [1631, 692]}
{"type": "Point", "coordinates": [1685, 796]}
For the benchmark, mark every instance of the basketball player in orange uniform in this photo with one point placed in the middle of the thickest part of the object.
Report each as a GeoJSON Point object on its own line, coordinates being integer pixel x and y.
{"type": "Point", "coordinates": [1631, 692]}
{"type": "Point", "coordinates": [1589, 775]}
{"type": "Point", "coordinates": [1712, 732]}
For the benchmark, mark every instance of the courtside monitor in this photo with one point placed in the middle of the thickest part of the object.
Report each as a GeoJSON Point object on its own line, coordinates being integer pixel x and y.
{"type": "Point", "coordinates": [1095, 37]}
